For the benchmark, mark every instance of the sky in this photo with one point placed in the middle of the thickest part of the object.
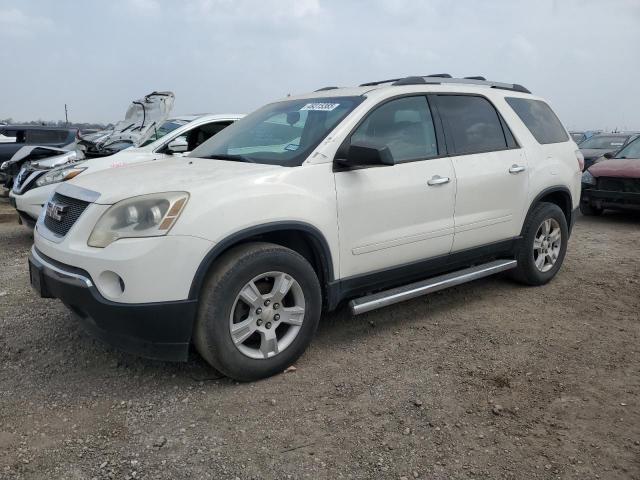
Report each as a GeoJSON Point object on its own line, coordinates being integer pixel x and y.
{"type": "Point", "coordinates": [232, 56]}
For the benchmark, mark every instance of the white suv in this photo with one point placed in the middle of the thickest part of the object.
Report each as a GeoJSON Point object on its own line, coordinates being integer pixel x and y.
{"type": "Point", "coordinates": [372, 195]}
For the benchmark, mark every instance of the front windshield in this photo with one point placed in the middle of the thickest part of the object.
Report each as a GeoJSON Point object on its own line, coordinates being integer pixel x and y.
{"type": "Point", "coordinates": [604, 142]}
{"type": "Point", "coordinates": [630, 151]}
{"type": "Point", "coordinates": [282, 133]}
{"type": "Point", "coordinates": [162, 130]}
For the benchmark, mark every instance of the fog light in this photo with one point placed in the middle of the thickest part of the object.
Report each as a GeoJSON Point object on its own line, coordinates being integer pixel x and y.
{"type": "Point", "coordinates": [111, 284]}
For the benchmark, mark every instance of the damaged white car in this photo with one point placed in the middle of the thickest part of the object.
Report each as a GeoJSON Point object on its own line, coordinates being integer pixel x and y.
{"type": "Point", "coordinates": [143, 118]}
{"type": "Point", "coordinates": [141, 122]}
{"type": "Point", "coordinates": [44, 168]}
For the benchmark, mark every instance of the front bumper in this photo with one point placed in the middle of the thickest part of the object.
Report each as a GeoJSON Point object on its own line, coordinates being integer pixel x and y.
{"type": "Point", "coordinates": [160, 330]}
{"type": "Point", "coordinates": [611, 199]}
{"type": "Point", "coordinates": [31, 202]}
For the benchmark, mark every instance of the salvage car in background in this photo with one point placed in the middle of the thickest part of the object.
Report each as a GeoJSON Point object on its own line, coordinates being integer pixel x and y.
{"type": "Point", "coordinates": [602, 143]}
{"type": "Point", "coordinates": [37, 179]}
{"type": "Point", "coordinates": [143, 119]}
{"type": "Point", "coordinates": [140, 122]}
{"type": "Point", "coordinates": [613, 183]}
{"type": "Point", "coordinates": [15, 137]}
{"type": "Point", "coordinates": [578, 136]}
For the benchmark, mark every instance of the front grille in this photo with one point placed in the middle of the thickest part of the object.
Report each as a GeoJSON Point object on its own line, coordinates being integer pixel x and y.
{"type": "Point", "coordinates": [73, 208]}
{"type": "Point", "coordinates": [21, 177]}
{"type": "Point", "coordinates": [630, 185]}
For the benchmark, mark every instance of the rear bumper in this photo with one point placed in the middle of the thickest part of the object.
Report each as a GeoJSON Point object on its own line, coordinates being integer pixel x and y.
{"type": "Point", "coordinates": [611, 199]}
{"type": "Point", "coordinates": [159, 330]}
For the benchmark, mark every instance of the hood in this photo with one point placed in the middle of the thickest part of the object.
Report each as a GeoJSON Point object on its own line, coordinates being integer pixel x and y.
{"type": "Point", "coordinates": [41, 157]}
{"type": "Point", "coordinates": [590, 153]}
{"type": "Point", "coordinates": [175, 174]}
{"type": "Point", "coordinates": [621, 168]}
{"type": "Point", "coordinates": [118, 160]}
{"type": "Point", "coordinates": [140, 120]}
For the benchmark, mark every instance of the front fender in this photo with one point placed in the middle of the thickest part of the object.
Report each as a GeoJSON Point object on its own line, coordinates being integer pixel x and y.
{"type": "Point", "coordinates": [302, 195]}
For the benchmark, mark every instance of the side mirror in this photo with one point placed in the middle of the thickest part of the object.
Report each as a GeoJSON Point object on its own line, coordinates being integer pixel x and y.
{"type": "Point", "coordinates": [366, 154]}
{"type": "Point", "coordinates": [178, 145]}
{"type": "Point", "coordinates": [608, 155]}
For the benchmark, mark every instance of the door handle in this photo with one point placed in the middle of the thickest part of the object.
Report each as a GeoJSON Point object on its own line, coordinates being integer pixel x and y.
{"type": "Point", "coordinates": [438, 180]}
{"type": "Point", "coordinates": [516, 168]}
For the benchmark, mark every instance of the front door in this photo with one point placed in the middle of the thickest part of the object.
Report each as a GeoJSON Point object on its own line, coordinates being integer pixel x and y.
{"type": "Point", "coordinates": [393, 215]}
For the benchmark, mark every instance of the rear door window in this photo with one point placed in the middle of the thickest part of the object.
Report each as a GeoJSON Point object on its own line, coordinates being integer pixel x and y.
{"type": "Point", "coordinates": [472, 125]}
{"type": "Point", "coordinates": [543, 124]}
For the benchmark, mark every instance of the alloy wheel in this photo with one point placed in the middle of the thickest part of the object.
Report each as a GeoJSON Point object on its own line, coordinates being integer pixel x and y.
{"type": "Point", "coordinates": [547, 244]}
{"type": "Point", "coordinates": [267, 315]}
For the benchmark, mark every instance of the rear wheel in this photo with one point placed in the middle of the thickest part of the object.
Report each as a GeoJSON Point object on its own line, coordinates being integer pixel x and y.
{"type": "Point", "coordinates": [544, 245]}
{"type": "Point", "coordinates": [589, 210]}
{"type": "Point", "coordinates": [258, 312]}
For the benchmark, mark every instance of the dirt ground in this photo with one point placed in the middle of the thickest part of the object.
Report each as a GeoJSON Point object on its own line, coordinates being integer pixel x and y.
{"type": "Point", "coordinates": [489, 380]}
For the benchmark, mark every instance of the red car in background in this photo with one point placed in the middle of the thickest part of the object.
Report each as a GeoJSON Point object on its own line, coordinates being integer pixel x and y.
{"type": "Point", "coordinates": [613, 182]}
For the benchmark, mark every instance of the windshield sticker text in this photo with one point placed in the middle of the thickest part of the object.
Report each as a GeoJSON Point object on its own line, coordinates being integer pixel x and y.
{"type": "Point", "coordinates": [320, 107]}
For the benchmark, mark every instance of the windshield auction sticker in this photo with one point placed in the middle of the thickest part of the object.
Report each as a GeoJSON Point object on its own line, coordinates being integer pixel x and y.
{"type": "Point", "coordinates": [320, 107]}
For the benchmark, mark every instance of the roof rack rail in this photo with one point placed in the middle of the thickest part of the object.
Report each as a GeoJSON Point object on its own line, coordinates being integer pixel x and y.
{"type": "Point", "coordinates": [477, 77]}
{"type": "Point", "coordinates": [324, 89]}
{"type": "Point", "coordinates": [379, 82]}
{"type": "Point", "coordinates": [431, 80]}
{"type": "Point", "coordinates": [439, 75]}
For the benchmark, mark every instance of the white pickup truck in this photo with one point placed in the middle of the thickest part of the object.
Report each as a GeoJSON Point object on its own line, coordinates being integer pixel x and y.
{"type": "Point", "coordinates": [368, 195]}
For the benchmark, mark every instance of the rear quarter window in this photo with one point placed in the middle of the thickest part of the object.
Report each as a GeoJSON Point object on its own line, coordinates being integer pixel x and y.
{"type": "Point", "coordinates": [538, 117]}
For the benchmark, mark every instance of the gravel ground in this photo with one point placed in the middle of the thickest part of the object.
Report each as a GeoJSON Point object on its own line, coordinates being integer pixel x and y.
{"type": "Point", "coordinates": [488, 380]}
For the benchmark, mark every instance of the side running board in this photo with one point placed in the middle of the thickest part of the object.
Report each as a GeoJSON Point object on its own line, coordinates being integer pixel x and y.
{"type": "Point", "coordinates": [423, 287]}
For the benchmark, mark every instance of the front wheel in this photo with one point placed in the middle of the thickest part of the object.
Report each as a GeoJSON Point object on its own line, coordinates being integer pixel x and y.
{"type": "Point", "coordinates": [544, 245]}
{"type": "Point", "coordinates": [258, 312]}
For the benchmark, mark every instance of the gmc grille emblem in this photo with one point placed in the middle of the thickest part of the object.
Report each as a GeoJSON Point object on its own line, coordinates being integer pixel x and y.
{"type": "Point", "coordinates": [56, 210]}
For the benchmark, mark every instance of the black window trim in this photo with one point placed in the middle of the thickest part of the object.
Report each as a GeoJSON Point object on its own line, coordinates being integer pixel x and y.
{"type": "Point", "coordinates": [503, 123]}
{"type": "Point", "coordinates": [437, 125]}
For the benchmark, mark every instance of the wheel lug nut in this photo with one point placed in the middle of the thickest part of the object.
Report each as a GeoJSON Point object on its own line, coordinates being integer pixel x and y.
{"type": "Point", "coordinates": [276, 306]}
{"type": "Point", "coordinates": [268, 325]}
{"type": "Point", "coordinates": [267, 302]}
{"type": "Point", "coordinates": [276, 317]}
{"type": "Point", "coordinates": [259, 322]}
{"type": "Point", "coordinates": [259, 311]}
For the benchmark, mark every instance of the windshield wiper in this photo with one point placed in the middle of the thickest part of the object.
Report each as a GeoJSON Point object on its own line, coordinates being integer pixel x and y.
{"type": "Point", "coordinates": [232, 158]}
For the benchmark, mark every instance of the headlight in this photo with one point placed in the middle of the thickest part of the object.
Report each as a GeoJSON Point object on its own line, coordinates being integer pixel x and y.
{"type": "Point", "coordinates": [144, 216]}
{"type": "Point", "coordinates": [59, 175]}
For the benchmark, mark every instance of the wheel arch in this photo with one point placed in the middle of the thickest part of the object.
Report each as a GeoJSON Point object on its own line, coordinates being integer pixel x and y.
{"type": "Point", "coordinates": [300, 237]}
{"type": "Point", "coordinates": [558, 195]}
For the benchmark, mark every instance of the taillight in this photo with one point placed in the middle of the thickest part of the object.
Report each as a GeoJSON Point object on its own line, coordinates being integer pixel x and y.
{"type": "Point", "coordinates": [580, 159]}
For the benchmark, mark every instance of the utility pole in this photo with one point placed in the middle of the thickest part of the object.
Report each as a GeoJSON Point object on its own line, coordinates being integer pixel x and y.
{"type": "Point", "coordinates": [66, 115]}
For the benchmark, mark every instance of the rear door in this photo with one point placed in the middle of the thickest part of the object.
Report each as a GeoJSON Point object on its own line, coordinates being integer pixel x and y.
{"type": "Point", "coordinates": [490, 168]}
{"type": "Point", "coordinates": [394, 215]}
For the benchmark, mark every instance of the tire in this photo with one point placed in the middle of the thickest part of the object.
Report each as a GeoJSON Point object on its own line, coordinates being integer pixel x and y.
{"type": "Point", "coordinates": [589, 210]}
{"type": "Point", "coordinates": [529, 269]}
{"type": "Point", "coordinates": [240, 293]}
